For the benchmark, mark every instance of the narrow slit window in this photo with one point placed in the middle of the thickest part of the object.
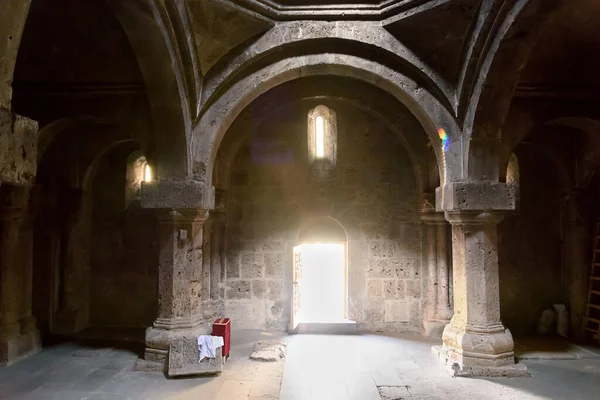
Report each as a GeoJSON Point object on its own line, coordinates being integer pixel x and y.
{"type": "Point", "coordinates": [320, 136]}
{"type": "Point", "coordinates": [147, 173]}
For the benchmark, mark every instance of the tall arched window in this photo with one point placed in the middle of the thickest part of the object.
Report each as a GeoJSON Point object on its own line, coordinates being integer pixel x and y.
{"type": "Point", "coordinates": [138, 170]}
{"type": "Point", "coordinates": [322, 136]}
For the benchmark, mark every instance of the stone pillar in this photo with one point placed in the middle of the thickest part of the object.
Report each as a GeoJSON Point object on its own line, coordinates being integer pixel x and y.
{"type": "Point", "coordinates": [436, 285]}
{"type": "Point", "coordinates": [576, 258]}
{"type": "Point", "coordinates": [443, 307]}
{"type": "Point", "coordinates": [179, 285]}
{"type": "Point", "coordinates": [475, 342]}
{"type": "Point", "coordinates": [73, 316]}
{"type": "Point", "coordinates": [217, 255]}
{"type": "Point", "coordinates": [18, 334]}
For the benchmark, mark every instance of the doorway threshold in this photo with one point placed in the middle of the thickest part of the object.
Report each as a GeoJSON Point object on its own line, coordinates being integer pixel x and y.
{"type": "Point", "coordinates": [345, 327]}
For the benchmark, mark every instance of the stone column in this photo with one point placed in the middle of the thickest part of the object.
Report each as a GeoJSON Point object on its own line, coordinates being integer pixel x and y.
{"type": "Point", "coordinates": [443, 307]}
{"type": "Point", "coordinates": [74, 314]}
{"type": "Point", "coordinates": [179, 285]}
{"type": "Point", "coordinates": [475, 342]}
{"type": "Point", "coordinates": [18, 334]}
{"type": "Point", "coordinates": [577, 261]}
{"type": "Point", "coordinates": [436, 288]}
{"type": "Point", "coordinates": [217, 254]}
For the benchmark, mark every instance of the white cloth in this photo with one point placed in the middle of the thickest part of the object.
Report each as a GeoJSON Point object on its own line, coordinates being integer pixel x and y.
{"type": "Point", "coordinates": [208, 345]}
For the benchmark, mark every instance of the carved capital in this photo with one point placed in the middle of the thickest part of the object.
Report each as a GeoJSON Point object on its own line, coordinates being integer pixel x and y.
{"type": "Point", "coordinates": [476, 196]}
{"type": "Point", "coordinates": [178, 195]}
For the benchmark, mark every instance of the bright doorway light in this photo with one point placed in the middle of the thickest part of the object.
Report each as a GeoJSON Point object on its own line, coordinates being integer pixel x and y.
{"type": "Point", "coordinates": [320, 136]}
{"type": "Point", "coordinates": [323, 284]}
{"type": "Point", "coordinates": [147, 173]}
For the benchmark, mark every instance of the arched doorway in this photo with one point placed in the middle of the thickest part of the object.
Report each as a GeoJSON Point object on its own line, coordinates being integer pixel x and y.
{"type": "Point", "coordinates": [319, 276]}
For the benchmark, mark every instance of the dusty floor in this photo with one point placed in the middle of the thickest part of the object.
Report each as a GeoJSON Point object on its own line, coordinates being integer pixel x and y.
{"type": "Point", "coordinates": [335, 367]}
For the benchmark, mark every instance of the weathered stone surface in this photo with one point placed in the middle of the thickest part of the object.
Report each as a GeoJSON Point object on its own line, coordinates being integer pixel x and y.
{"type": "Point", "coordinates": [476, 196]}
{"type": "Point", "coordinates": [238, 289]}
{"type": "Point", "coordinates": [18, 148]}
{"type": "Point", "coordinates": [184, 359]}
{"type": "Point", "coordinates": [252, 265]}
{"type": "Point", "coordinates": [269, 351]}
{"type": "Point", "coordinates": [259, 288]}
{"type": "Point", "coordinates": [247, 314]}
{"type": "Point", "coordinates": [177, 194]}
{"type": "Point", "coordinates": [274, 265]}
{"type": "Point", "coordinates": [397, 311]}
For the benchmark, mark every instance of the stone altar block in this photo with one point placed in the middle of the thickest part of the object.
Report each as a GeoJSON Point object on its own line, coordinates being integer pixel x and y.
{"type": "Point", "coordinates": [183, 359]}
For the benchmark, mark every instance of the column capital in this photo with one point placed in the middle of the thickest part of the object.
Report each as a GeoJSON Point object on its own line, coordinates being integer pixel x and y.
{"type": "Point", "coordinates": [179, 195]}
{"type": "Point", "coordinates": [476, 196]}
{"type": "Point", "coordinates": [432, 218]}
{"type": "Point", "coordinates": [474, 217]}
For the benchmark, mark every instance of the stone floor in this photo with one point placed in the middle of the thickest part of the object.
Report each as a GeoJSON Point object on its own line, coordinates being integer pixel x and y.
{"type": "Point", "coordinates": [336, 367]}
{"type": "Point", "coordinates": [89, 370]}
{"type": "Point", "coordinates": [376, 367]}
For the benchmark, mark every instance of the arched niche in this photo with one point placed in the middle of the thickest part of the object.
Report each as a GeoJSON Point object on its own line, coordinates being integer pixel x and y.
{"type": "Point", "coordinates": [324, 230]}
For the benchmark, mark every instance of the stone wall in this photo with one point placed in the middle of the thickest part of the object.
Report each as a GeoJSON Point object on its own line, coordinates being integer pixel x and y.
{"type": "Point", "coordinates": [124, 250]}
{"type": "Point", "coordinates": [372, 194]}
{"type": "Point", "coordinates": [530, 245]}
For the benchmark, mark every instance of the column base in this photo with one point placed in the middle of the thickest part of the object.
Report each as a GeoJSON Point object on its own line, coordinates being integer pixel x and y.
{"type": "Point", "coordinates": [479, 353]}
{"type": "Point", "coordinates": [507, 371]}
{"type": "Point", "coordinates": [158, 340]}
{"type": "Point", "coordinates": [18, 347]}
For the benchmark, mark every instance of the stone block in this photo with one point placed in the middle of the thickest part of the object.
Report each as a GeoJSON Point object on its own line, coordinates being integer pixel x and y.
{"type": "Point", "coordinates": [238, 289]}
{"type": "Point", "coordinates": [374, 310]}
{"type": "Point", "coordinates": [184, 359]}
{"type": "Point", "coordinates": [233, 265]}
{"type": "Point", "coordinates": [383, 268]}
{"type": "Point", "coordinates": [259, 288]}
{"type": "Point", "coordinates": [191, 195]}
{"type": "Point", "coordinates": [275, 290]}
{"type": "Point", "coordinates": [400, 289]}
{"type": "Point", "coordinates": [410, 239]}
{"type": "Point", "coordinates": [413, 288]}
{"type": "Point", "coordinates": [389, 289]}
{"type": "Point", "coordinates": [475, 196]}
{"type": "Point", "coordinates": [408, 268]}
{"type": "Point", "coordinates": [246, 314]}
{"type": "Point", "coordinates": [275, 309]}
{"type": "Point", "coordinates": [357, 284]}
{"type": "Point", "coordinates": [274, 265]}
{"type": "Point", "coordinates": [273, 247]}
{"type": "Point", "coordinates": [375, 230]}
{"type": "Point", "coordinates": [374, 288]}
{"type": "Point", "coordinates": [397, 311]}
{"type": "Point", "coordinates": [355, 308]}
{"type": "Point", "coordinates": [384, 249]}
{"type": "Point", "coordinates": [252, 265]}
{"type": "Point", "coordinates": [357, 249]}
